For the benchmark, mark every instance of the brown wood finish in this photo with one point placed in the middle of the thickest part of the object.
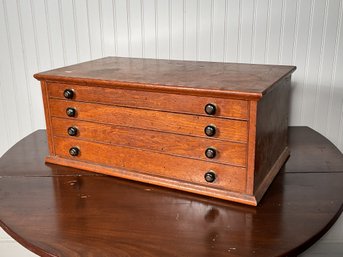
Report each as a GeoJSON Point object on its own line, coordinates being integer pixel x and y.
{"type": "Point", "coordinates": [152, 100]}
{"type": "Point", "coordinates": [157, 108]}
{"type": "Point", "coordinates": [271, 135]}
{"type": "Point", "coordinates": [47, 117]}
{"type": "Point", "coordinates": [251, 148]}
{"type": "Point", "coordinates": [234, 80]}
{"type": "Point", "coordinates": [233, 130]}
{"type": "Point", "coordinates": [173, 144]}
{"type": "Point", "coordinates": [183, 169]}
{"type": "Point", "coordinates": [59, 211]}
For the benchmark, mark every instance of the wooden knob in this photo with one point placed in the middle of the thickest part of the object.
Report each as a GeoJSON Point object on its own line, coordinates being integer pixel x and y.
{"type": "Point", "coordinates": [72, 131]}
{"type": "Point", "coordinates": [68, 93]}
{"type": "Point", "coordinates": [210, 176]}
{"type": "Point", "coordinates": [210, 109]}
{"type": "Point", "coordinates": [74, 151]}
{"type": "Point", "coordinates": [210, 152]}
{"type": "Point", "coordinates": [71, 112]}
{"type": "Point", "coordinates": [210, 130]}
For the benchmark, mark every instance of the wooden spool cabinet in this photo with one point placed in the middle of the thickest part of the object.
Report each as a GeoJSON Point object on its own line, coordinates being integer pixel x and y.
{"type": "Point", "coordinates": [216, 129]}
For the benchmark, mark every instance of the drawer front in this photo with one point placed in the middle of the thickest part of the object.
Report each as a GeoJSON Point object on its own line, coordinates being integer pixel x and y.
{"type": "Point", "coordinates": [152, 100]}
{"type": "Point", "coordinates": [188, 146]}
{"type": "Point", "coordinates": [142, 161]}
{"type": "Point", "coordinates": [225, 129]}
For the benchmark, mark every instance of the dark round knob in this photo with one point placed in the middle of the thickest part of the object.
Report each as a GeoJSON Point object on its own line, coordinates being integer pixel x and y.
{"type": "Point", "coordinates": [71, 112]}
{"type": "Point", "coordinates": [210, 130]}
{"type": "Point", "coordinates": [72, 131]}
{"type": "Point", "coordinates": [74, 151]}
{"type": "Point", "coordinates": [210, 153]}
{"type": "Point", "coordinates": [210, 109]}
{"type": "Point", "coordinates": [210, 176]}
{"type": "Point", "coordinates": [68, 93]}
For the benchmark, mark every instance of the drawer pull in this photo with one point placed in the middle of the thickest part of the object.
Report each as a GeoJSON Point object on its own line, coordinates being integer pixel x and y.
{"type": "Point", "coordinates": [71, 112]}
{"type": "Point", "coordinates": [210, 109]}
{"type": "Point", "coordinates": [210, 153]}
{"type": "Point", "coordinates": [210, 130]}
{"type": "Point", "coordinates": [210, 176]}
{"type": "Point", "coordinates": [68, 93]}
{"type": "Point", "coordinates": [72, 131]}
{"type": "Point", "coordinates": [74, 151]}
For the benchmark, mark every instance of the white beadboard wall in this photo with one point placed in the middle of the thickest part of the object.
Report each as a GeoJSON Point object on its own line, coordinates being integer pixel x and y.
{"type": "Point", "coordinates": [37, 35]}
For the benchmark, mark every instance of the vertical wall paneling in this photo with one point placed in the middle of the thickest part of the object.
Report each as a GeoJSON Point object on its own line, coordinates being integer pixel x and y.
{"type": "Point", "coordinates": [217, 30]}
{"type": "Point", "coordinates": [122, 27]}
{"type": "Point", "coordinates": [289, 23]}
{"type": "Point", "coordinates": [176, 26]}
{"type": "Point", "coordinates": [18, 67]}
{"type": "Point", "coordinates": [4, 139]}
{"type": "Point", "coordinates": [41, 31]}
{"type": "Point", "coordinates": [233, 28]}
{"type": "Point", "coordinates": [301, 54]}
{"type": "Point", "coordinates": [9, 97]}
{"type": "Point", "coordinates": [95, 28]}
{"type": "Point", "coordinates": [274, 31]}
{"type": "Point", "coordinates": [38, 35]}
{"type": "Point", "coordinates": [108, 31]}
{"type": "Point", "coordinates": [82, 30]}
{"type": "Point", "coordinates": [68, 32]}
{"type": "Point", "coordinates": [56, 41]}
{"type": "Point", "coordinates": [260, 30]}
{"type": "Point", "coordinates": [312, 69]}
{"type": "Point", "coordinates": [31, 61]}
{"type": "Point", "coordinates": [163, 43]}
{"type": "Point", "coordinates": [334, 121]}
{"type": "Point", "coordinates": [245, 32]}
{"type": "Point", "coordinates": [136, 41]}
{"type": "Point", "coordinates": [149, 29]}
{"type": "Point", "coordinates": [325, 66]}
{"type": "Point", "coordinates": [204, 30]}
{"type": "Point", "coordinates": [142, 28]}
{"type": "Point", "coordinates": [190, 26]}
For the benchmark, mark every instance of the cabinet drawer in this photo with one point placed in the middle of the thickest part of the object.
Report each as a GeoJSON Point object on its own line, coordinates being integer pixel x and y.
{"type": "Point", "coordinates": [142, 161]}
{"type": "Point", "coordinates": [225, 129]}
{"type": "Point", "coordinates": [152, 100]}
{"type": "Point", "coordinates": [188, 146]}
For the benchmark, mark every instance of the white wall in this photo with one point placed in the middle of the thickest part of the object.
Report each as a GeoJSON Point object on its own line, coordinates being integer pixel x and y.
{"type": "Point", "coordinates": [37, 35]}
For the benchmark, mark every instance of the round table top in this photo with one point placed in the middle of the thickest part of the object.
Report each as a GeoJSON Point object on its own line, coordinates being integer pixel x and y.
{"type": "Point", "coordinates": [59, 211]}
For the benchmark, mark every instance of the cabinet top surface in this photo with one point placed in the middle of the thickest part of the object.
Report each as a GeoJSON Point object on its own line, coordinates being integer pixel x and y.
{"type": "Point", "coordinates": [252, 80]}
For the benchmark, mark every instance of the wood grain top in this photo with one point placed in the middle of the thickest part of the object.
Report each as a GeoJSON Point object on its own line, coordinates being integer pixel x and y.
{"type": "Point", "coordinates": [188, 77]}
{"type": "Point", "coordinates": [59, 211]}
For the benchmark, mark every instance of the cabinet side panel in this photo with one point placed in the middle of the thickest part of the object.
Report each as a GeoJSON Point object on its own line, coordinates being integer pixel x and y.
{"type": "Point", "coordinates": [251, 148]}
{"type": "Point", "coordinates": [271, 135]}
{"type": "Point", "coordinates": [45, 95]}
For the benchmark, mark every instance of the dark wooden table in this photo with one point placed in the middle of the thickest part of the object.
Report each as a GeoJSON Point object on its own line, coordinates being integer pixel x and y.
{"type": "Point", "coordinates": [59, 211]}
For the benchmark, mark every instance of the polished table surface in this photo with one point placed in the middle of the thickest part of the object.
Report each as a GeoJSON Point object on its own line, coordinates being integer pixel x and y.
{"type": "Point", "coordinates": [59, 211]}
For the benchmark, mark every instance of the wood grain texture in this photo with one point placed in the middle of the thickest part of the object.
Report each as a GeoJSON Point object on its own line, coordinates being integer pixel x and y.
{"type": "Point", "coordinates": [48, 117]}
{"type": "Point", "coordinates": [234, 80]}
{"type": "Point", "coordinates": [173, 144]}
{"type": "Point", "coordinates": [152, 100]}
{"type": "Point", "coordinates": [148, 94]}
{"type": "Point", "coordinates": [152, 163]}
{"type": "Point", "coordinates": [227, 129]}
{"type": "Point", "coordinates": [324, 155]}
{"type": "Point", "coordinates": [251, 147]}
{"type": "Point", "coordinates": [60, 212]}
{"type": "Point", "coordinates": [271, 131]}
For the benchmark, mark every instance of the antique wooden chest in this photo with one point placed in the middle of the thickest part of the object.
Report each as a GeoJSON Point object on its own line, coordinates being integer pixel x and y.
{"type": "Point", "coordinates": [216, 129]}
